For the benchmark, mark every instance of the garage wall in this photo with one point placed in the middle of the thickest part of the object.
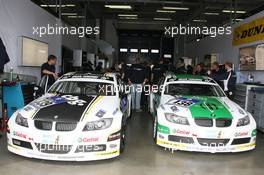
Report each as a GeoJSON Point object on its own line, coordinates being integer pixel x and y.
{"type": "Point", "coordinates": [111, 36]}
{"type": "Point", "coordinates": [17, 18]}
{"type": "Point", "coordinates": [223, 46]}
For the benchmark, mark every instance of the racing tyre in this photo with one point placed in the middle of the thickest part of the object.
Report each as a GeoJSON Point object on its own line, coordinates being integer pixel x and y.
{"type": "Point", "coordinates": [122, 139]}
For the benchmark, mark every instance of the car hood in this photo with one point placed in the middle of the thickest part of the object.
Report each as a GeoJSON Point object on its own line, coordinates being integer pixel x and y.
{"type": "Point", "coordinates": [70, 108]}
{"type": "Point", "coordinates": [199, 107]}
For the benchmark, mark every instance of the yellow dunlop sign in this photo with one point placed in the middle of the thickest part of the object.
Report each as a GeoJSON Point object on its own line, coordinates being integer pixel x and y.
{"type": "Point", "coordinates": [249, 32]}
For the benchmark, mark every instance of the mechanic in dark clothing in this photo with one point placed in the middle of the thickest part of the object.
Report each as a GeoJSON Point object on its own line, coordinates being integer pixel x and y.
{"type": "Point", "coordinates": [189, 69]}
{"type": "Point", "coordinates": [145, 94]}
{"type": "Point", "coordinates": [123, 68]}
{"type": "Point", "coordinates": [216, 71]}
{"type": "Point", "coordinates": [49, 69]}
{"type": "Point", "coordinates": [199, 69]}
{"type": "Point", "coordinates": [157, 72]}
{"type": "Point", "coordinates": [99, 67]}
{"type": "Point", "coordinates": [88, 66]}
{"type": "Point", "coordinates": [137, 78]}
{"type": "Point", "coordinates": [229, 80]}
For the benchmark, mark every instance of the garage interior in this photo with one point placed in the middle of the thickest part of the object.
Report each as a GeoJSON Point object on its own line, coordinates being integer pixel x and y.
{"type": "Point", "coordinates": [130, 29]}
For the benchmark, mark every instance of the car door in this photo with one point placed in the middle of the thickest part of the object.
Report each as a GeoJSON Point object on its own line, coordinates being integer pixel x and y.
{"type": "Point", "coordinates": [42, 88]}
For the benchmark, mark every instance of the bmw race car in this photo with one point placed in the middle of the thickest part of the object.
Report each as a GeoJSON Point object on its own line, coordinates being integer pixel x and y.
{"type": "Point", "coordinates": [82, 117]}
{"type": "Point", "coordinates": [192, 113]}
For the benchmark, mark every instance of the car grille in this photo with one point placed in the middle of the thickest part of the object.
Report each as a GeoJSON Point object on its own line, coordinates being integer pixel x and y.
{"type": "Point", "coordinates": [43, 125]}
{"type": "Point", "coordinates": [22, 143]}
{"type": "Point", "coordinates": [241, 141]}
{"type": "Point", "coordinates": [223, 122]}
{"type": "Point", "coordinates": [53, 149]}
{"type": "Point", "coordinates": [63, 126]}
{"type": "Point", "coordinates": [205, 122]}
{"type": "Point", "coordinates": [212, 142]}
{"type": "Point", "coordinates": [180, 139]}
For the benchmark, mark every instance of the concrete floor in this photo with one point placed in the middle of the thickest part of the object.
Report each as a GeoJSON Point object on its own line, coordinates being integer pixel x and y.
{"type": "Point", "coordinates": [142, 157]}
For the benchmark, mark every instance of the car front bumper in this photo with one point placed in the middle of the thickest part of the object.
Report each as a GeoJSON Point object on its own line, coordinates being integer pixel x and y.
{"type": "Point", "coordinates": [205, 140]}
{"type": "Point", "coordinates": [64, 146]}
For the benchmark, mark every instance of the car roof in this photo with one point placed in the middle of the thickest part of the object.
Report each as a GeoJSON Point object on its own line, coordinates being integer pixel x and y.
{"type": "Point", "coordinates": [89, 75]}
{"type": "Point", "coordinates": [187, 77]}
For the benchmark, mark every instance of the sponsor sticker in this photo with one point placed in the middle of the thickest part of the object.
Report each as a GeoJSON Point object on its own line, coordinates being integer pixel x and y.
{"type": "Point", "coordinates": [241, 134]}
{"type": "Point", "coordinates": [163, 129]}
{"type": "Point", "coordinates": [100, 113]}
{"type": "Point", "coordinates": [86, 140]}
{"type": "Point", "coordinates": [19, 134]}
{"type": "Point", "coordinates": [174, 109]}
{"type": "Point", "coordinates": [113, 146]}
{"type": "Point", "coordinates": [181, 132]}
{"type": "Point", "coordinates": [115, 111]}
{"type": "Point", "coordinates": [254, 133]}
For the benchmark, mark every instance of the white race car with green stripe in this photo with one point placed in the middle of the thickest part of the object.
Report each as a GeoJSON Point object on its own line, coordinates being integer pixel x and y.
{"type": "Point", "coordinates": [192, 113]}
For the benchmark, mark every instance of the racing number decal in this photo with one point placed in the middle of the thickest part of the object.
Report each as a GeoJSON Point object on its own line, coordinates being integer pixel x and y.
{"type": "Point", "coordinates": [73, 100]}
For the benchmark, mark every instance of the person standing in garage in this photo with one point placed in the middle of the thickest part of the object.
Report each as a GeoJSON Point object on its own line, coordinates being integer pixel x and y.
{"type": "Point", "coordinates": [157, 72]}
{"type": "Point", "coordinates": [99, 67]}
{"type": "Point", "coordinates": [216, 71]}
{"type": "Point", "coordinates": [49, 69]}
{"type": "Point", "coordinates": [199, 69]}
{"type": "Point", "coordinates": [137, 78]}
{"type": "Point", "coordinates": [229, 80]}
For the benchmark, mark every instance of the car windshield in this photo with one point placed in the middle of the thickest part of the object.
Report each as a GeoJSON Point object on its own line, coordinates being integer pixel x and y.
{"type": "Point", "coordinates": [83, 88]}
{"type": "Point", "coordinates": [194, 90]}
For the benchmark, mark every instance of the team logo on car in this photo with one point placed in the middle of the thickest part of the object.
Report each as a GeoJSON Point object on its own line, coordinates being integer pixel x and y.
{"type": "Point", "coordinates": [100, 113]}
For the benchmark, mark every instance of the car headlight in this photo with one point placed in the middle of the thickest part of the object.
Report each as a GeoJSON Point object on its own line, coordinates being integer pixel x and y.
{"type": "Point", "coordinates": [176, 119]}
{"type": "Point", "coordinates": [22, 121]}
{"type": "Point", "coordinates": [98, 125]}
{"type": "Point", "coordinates": [243, 121]}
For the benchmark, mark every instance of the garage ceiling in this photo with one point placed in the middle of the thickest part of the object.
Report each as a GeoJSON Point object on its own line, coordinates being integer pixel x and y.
{"type": "Point", "coordinates": [207, 12]}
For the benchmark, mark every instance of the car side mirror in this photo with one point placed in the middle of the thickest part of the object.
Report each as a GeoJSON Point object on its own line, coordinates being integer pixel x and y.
{"type": "Point", "coordinates": [38, 92]}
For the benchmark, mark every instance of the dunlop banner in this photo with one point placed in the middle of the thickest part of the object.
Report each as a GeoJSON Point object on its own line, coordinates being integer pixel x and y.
{"type": "Point", "coordinates": [249, 32]}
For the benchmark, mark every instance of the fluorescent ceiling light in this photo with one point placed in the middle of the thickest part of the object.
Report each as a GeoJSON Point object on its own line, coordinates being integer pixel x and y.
{"type": "Point", "coordinates": [167, 55]}
{"type": "Point", "coordinates": [144, 50]}
{"type": "Point", "coordinates": [57, 5]}
{"type": "Point", "coordinates": [199, 20]}
{"type": "Point", "coordinates": [133, 50]}
{"type": "Point", "coordinates": [211, 13]}
{"type": "Point", "coordinates": [118, 6]}
{"type": "Point", "coordinates": [127, 15]}
{"type": "Point", "coordinates": [233, 11]}
{"type": "Point", "coordinates": [68, 14]}
{"type": "Point", "coordinates": [76, 16]}
{"type": "Point", "coordinates": [166, 11]}
{"type": "Point", "coordinates": [53, 5]}
{"type": "Point", "coordinates": [70, 5]}
{"type": "Point", "coordinates": [123, 50]}
{"type": "Point", "coordinates": [162, 19]}
{"type": "Point", "coordinates": [176, 8]}
{"type": "Point", "coordinates": [154, 51]}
